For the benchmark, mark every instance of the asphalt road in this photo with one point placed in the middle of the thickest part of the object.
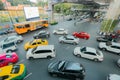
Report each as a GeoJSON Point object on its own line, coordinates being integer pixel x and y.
{"type": "Point", "coordinates": [37, 69]}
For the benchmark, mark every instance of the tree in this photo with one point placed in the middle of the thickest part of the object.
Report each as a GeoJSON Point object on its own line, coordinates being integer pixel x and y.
{"type": "Point", "coordinates": [1, 5]}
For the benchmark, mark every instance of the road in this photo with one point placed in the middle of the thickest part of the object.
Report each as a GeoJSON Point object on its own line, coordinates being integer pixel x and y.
{"type": "Point", "coordinates": [37, 69]}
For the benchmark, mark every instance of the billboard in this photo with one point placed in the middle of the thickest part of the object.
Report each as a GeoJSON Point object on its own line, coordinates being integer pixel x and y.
{"type": "Point", "coordinates": [31, 13]}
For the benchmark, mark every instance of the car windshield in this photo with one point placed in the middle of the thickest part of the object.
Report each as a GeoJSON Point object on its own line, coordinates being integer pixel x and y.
{"type": "Point", "coordinates": [15, 69]}
{"type": "Point", "coordinates": [82, 49]}
{"type": "Point", "coordinates": [8, 45]}
{"type": "Point", "coordinates": [34, 49]}
{"type": "Point", "coordinates": [61, 65]}
{"type": "Point", "coordinates": [9, 55]}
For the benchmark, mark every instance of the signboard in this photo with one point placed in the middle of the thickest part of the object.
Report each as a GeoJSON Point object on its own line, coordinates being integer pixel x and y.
{"type": "Point", "coordinates": [31, 13]}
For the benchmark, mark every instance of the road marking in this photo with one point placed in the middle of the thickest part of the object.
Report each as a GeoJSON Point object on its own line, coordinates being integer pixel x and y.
{"type": "Point", "coordinates": [27, 76]}
{"type": "Point", "coordinates": [20, 61]}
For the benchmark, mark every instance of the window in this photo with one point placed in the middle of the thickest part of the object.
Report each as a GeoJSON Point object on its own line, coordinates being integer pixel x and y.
{"type": "Point", "coordinates": [33, 43]}
{"type": "Point", "coordinates": [19, 26]}
{"type": "Point", "coordinates": [4, 77]}
{"type": "Point", "coordinates": [43, 51]}
{"type": "Point", "coordinates": [69, 39]}
{"type": "Point", "coordinates": [83, 49]}
{"type": "Point", "coordinates": [115, 47]}
{"type": "Point", "coordinates": [2, 60]}
{"type": "Point", "coordinates": [15, 69]}
{"type": "Point", "coordinates": [8, 45]}
{"type": "Point", "coordinates": [89, 53]}
{"type": "Point", "coordinates": [38, 42]}
{"type": "Point", "coordinates": [27, 25]}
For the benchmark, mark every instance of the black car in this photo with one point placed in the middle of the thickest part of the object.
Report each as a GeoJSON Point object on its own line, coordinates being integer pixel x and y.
{"type": "Point", "coordinates": [41, 34]}
{"type": "Point", "coordinates": [67, 69]}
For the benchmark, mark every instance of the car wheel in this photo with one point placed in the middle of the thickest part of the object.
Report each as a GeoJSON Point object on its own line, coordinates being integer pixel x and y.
{"type": "Point", "coordinates": [78, 79]}
{"type": "Point", "coordinates": [61, 41]}
{"type": "Point", "coordinates": [31, 58]}
{"type": "Point", "coordinates": [10, 63]}
{"type": "Point", "coordinates": [104, 49]}
{"type": "Point", "coordinates": [95, 59]}
{"type": "Point", "coordinates": [55, 75]}
{"type": "Point", "coordinates": [75, 43]}
{"type": "Point", "coordinates": [78, 55]}
{"type": "Point", "coordinates": [49, 57]}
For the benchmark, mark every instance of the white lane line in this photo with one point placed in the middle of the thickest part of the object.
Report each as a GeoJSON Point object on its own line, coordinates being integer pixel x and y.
{"type": "Point", "coordinates": [20, 61]}
{"type": "Point", "coordinates": [27, 76]}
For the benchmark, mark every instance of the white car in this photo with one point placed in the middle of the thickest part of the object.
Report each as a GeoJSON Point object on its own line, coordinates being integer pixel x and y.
{"type": "Point", "coordinates": [60, 31]}
{"type": "Point", "coordinates": [118, 62]}
{"type": "Point", "coordinates": [69, 39]}
{"type": "Point", "coordinates": [110, 46]}
{"type": "Point", "coordinates": [89, 53]}
{"type": "Point", "coordinates": [11, 46]}
{"type": "Point", "coordinates": [46, 51]}
{"type": "Point", "coordinates": [113, 77]}
{"type": "Point", "coordinates": [14, 38]}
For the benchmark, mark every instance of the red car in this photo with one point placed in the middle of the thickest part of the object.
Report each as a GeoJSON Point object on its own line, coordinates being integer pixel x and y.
{"type": "Point", "coordinates": [8, 58]}
{"type": "Point", "coordinates": [82, 35]}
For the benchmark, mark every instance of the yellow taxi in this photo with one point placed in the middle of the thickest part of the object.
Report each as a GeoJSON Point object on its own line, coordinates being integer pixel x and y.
{"type": "Point", "coordinates": [13, 72]}
{"type": "Point", "coordinates": [34, 43]}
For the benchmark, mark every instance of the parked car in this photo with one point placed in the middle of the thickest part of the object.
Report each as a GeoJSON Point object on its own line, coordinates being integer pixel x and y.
{"type": "Point", "coordinates": [34, 43]}
{"type": "Point", "coordinates": [102, 39]}
{"type": "Point", "coordinates": [89, 53]}
{"type": "Point", "coordinates": [13, 38]}
{"type": "Point", "coordinates": [60, 31]}
{"type": "Point", "coordinates": [6, 47]}
{"type": "Point", "coordinates": [110, 46]}
{"type": "Point", "coordinates": [82, 35]}
{"type": "Point", "coordinates": [42, 34]}
{"type": "Point", "coordinates": [118, 62]}
{"type": "Point", "coordinates": [113, 77]}
{"type": "Point", "coordinates": [67, 69]}
{"type": "Point", "coordinates": [13, 72]}
{"type": "Point", "coordinates": [8, 58]}
{"type": "Point", "coordinates": [41, 52]}
{"type": "Point", "coordinates": [69, 39]}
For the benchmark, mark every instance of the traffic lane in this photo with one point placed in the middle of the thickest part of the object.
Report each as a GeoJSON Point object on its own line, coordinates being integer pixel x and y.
{"type": "Point", "coordinates": [94, 70]}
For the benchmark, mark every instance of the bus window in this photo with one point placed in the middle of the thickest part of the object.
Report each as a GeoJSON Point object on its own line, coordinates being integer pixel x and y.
{"type": "Point", "coordinates": [19, 26]}
{"type": "Point", "coordinates": [27, 25]}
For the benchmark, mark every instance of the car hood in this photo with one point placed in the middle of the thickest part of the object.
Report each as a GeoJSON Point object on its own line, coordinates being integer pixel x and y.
{"type": "Point", "coordinates": [52, 66]}
{"type": "Point", "coordinates": [114, 77]}
{"type": "Point", "coordinates": [77, 49]}
{"type": "Point", "coordinates": [27, 44]}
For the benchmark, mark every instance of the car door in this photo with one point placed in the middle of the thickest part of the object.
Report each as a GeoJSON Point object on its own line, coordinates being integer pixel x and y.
{"type": "Point", "coordinates": [114, 49]}
{"type": "Point", "coordinates": [89, 55]}
{"type": "Point", "coordinates": [37, 54]}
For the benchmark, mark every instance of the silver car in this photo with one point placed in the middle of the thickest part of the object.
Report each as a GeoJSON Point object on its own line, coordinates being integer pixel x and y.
{"type": "Point", "coordinates": [69, 39]}
{"type": "Point", "coordinates": [13, 38]}
{"type": "Point", "coordinates": [60, 31]}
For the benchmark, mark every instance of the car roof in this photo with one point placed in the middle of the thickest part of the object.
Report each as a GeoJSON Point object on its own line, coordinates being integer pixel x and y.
{"type": "Point", "coordinates": [61, 29]}
{"type": "Point", "coordinates": [69, 36]}
{"type": "Point", "coordinates": [42, 31]}
{"type": "Point", "coordinates": [116, 44]}
{"type": "Point", "coordinates": [44, 47]}
{"type": "Point", "coordinates": [89, 49]}
{"type": "Point", "coordinates": [114, 77]}
{"type": "Point", "coordinates": [72, 66]}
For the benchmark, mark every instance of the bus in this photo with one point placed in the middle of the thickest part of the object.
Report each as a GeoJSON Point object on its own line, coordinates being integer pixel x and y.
{"type": "Point", "coordinates": [28, 26]}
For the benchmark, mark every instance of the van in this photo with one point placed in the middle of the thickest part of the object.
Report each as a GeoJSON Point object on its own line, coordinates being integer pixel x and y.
{"type": "Point", "coordinates": [8, 47]}
{"type": "Point", "coordinates": [46, 51]}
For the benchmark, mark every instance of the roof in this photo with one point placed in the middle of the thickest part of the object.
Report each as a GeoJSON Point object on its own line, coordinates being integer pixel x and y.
{"type": "Point", "coordinates": [89, 49]}
{"type": "Point", "coordinates": [44, 47]}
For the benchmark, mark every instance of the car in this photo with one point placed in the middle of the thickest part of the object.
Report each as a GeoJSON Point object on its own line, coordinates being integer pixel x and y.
{"type": "Point", "coordinates": [34, 43]}
{"type": "Point", "coordinates": [69, 39]}
{"type": "Point", "coordinates": [6, 47]}
{"type": "Point", "coordinates": [89, 53]}
{"type": "Point", "coordinates": [82, 35]}
{"type": "Point", "coordinates": [67, 69]}
{"type": "Point", "coordinates": [42, 34]}
{"type": "Point", "coordinates": [8, 58]}
{"type": "Point", "coordinates": [118, 62]}
{"type": "Point", "coordinates": [13, 38]}
{"type": "Point", "coordinates": [41, 52]}
{"type": "Point", "coordinates": [102, 39]}
{"type": "Point", "coordinates": [110, 46]}
{"type": "Point", "coordinates": [113, 77]}
{"type": "Point", "coordinates": [60, 31]}
{"type": "Point", "coordinates": [13, 72]}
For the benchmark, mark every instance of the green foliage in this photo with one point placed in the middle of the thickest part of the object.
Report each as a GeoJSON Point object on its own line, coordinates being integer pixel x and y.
{"type": "Point", "coordinates": [108, 25]}
{"type": "Point", "coordinates": [4, 19]}
{"type": "Point", "coordinates": [41, 3]}
{"type": "Point", "coordinates": [1, 5]}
